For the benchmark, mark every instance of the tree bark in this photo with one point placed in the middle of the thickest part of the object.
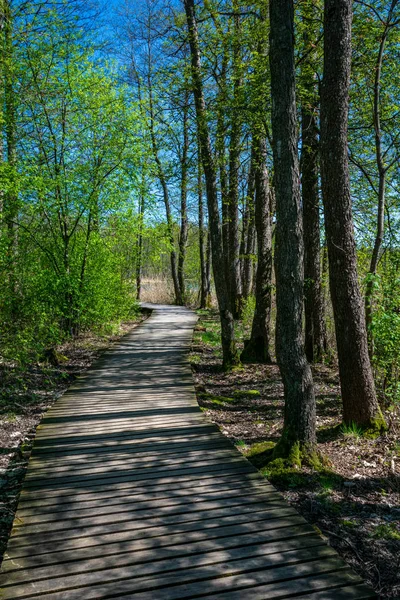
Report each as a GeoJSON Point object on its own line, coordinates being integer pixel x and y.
{"type": "Point", "coordinates": [167, 204]}
{"type": "Point", "coordinates": [204, 299]}
{"type": "Point", "coordinates": [257, 348]}
{"type": "Point", "coordinates": [298, 437]}
{"type": "Point", "coordinates": [234, 165]}
{"type": "Point", "coordinates": [229, 351]}
{"type": "Point", "coordinates": [248, 237]}
{"type": "Point", "coordinates": [360, 405]}
{"type": "Point", "coordinates": [315, 329]}
{"type": "Point", "coordinates": [221, 160]}
{"type": "Point", "coordinates": [208, 269]}
{"type": "Point", "coordinates": [183, 235]}
{"type": "Point", "coordinates": [139, 243]}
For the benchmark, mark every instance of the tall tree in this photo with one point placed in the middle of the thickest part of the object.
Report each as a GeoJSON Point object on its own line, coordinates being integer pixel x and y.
{"type": "Point", "coordinates": [234, 279]}
{"type": "Point", "coordinates": [257, 348]}
{"type": "Point", "coordinates": [247, 247]}
{"type": "Point", "coordinates": [183, 234]}
{"type": "Point", "coordinates": [164, 185]}
{"type": "Point", "coordinates": [205, 284]}
{"type": "Point", "coordinates": [229, 351]}
{"type": "Point", "coordinates": [298, 438]}
{"type": "Point", "coordinates": [360, 405]}
{"type": "Point", "coordinates": [383, 158]}
{"type": "Point", "coordinates": [315, 329]}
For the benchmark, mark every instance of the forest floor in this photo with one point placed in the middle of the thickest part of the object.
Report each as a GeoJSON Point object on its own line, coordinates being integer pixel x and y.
{"type": "Point", "coordinates": [25, 395]}
{"type": "Point", "coordinates": [355, 502]}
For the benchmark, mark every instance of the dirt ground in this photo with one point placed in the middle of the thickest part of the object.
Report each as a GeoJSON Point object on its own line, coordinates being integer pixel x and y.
{"type": "Point", "coordinates": [355, 502]}
{"type": "Point", "coordinates": [25, 395]}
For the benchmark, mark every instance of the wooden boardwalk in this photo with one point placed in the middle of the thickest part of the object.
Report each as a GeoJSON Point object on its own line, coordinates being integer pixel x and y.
{"type": "Point", "coordinates": [130, 493]}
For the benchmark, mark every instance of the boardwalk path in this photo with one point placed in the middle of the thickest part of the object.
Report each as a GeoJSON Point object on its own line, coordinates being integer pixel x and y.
{"type": "Point", "coordinates": [130, 493]}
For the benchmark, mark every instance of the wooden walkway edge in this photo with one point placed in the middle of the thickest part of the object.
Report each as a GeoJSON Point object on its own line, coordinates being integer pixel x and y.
{"type": "Point", "coordinates": [130, 493]}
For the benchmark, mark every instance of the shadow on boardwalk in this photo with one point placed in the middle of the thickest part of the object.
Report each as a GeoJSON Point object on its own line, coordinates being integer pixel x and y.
{"type": "Point", "coordinates": [131, 493]}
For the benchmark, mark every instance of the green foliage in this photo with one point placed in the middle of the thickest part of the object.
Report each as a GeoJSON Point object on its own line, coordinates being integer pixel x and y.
{"type": "Point", "coordinates": [66, 263]}
{"type": "Point", "coordinates": [386, 330]}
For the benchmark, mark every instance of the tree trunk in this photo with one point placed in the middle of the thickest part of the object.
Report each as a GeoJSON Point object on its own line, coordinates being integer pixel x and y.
{"type": "Point", "coordinates": [203, 266]}
{"type": "Point", "coordinates": [248, 236]}
{"type": "Point", "coordinates": [234, 165]}
{"type": "Point", "coordinates": [183, 235]}
{"type": "Point", "coordinates": [208, 269]}
{"type": "Point", "coordinates": [298, 437]}
{"type": "Point", "coordinates": [139, 243]}
{"type": "Point", "coordinates": [221, 160]}
{"type": "Point", "coordinates": [230, 355]}
{"type": "Point", "coordinates": [164, 186]}
{"type": "Point", "coordinates": [360, 405]}
{"type": "Point", "coordinates": [257, 348]}
{"type": "Point", "coordinates": [315, 330]}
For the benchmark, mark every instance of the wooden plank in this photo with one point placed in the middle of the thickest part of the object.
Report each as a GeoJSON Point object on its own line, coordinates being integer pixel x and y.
{"type": "Point", "coordinates": [53, 486]}
{"type": "Point", "coordinates": [128, 446]}
{"type": "Point", "coordinates": [176, 518]}
{"type": "Point", "coordinates": [134, 506]}
{"type": "Point", "coordinates": [137, 461]}
{"type": "Point", "coordinates": [250, 481]}
{"type": "Point", "coordinates": [270, 530]}
{"type": "Point", "coordinates": [235, 488]}
{"type": "Point", "coordinates": [188, 480]}
{"type": "Point", "coordinates": [172, 571]}
{"type": "Point", "coordinates": [76, 523]}
{"type": "Point", "coordinates": [25, 546]}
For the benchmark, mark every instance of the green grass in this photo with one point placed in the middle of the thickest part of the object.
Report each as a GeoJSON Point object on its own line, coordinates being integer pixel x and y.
{"type": "Point", "coordinates": [388, 531]}
{"type": "Point", "coordinates": [328, 480]}
{"type": "Point", "coordinates": [241, 444]}
{"type": "Point", "coordinates": [351, 430]}
{"type": "Point", "coordinates": [210, 338]}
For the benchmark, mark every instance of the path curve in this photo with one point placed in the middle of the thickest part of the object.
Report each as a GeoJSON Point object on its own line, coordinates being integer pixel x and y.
{"type": "Point", "coordinates": [131, 493]}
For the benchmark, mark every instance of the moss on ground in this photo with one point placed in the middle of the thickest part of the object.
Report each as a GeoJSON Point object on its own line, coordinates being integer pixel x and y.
{"type": "Point", "coordinates": [247, 394]}
{"type": "Point", "coordinates": [387, 531]}
{"type": "Point", "coordinates": [218, 400]}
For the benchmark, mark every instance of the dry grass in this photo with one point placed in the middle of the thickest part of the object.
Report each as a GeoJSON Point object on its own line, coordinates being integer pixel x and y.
{"type": "Point", "coordinates": [157, 291]}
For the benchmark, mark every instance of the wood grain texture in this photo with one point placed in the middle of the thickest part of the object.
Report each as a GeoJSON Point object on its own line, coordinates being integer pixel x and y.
{"type": "Point", "coordinates": [131, 493]}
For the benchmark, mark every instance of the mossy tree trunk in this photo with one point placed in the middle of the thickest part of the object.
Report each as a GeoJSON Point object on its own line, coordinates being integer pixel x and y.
{"type": "Point", "coordinates": [299, 417]}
